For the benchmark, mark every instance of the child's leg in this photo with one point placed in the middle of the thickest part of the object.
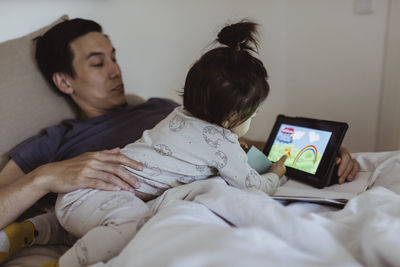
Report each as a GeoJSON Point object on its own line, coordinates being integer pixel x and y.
{"type": "Point", "coordinates": [41, 230]}
{"type": "Point", "coordinates": [105, 220]}
{"type": "Point", "coordinates": [102, 243]}
{"type": "Point", "coordinates": [49, 231]}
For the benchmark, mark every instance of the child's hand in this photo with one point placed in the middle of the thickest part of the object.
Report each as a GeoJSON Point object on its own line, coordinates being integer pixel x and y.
{"type": "Point", "coordinates": [279, 167]}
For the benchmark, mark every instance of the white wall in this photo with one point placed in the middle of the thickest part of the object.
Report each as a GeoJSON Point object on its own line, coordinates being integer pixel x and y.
{"type": "Point", "coordinates": [334, 65]}
{"type": "Point", "coordinates": [389, 123]}
{"type": "Point", "coordinates": [324, 61]}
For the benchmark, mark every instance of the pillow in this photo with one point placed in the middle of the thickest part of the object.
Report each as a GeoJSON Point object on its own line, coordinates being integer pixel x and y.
{"type": "Point", "coordinates": [27, 103]}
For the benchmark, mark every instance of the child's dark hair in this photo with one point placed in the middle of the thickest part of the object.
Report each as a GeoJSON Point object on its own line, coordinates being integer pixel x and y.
{"type": "Point", "coordinates": [227, 83]}
{"type": "Point", "coordinates": [53, 53]}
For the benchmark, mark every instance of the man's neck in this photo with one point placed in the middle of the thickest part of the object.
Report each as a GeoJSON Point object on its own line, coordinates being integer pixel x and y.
{"type": "Point", "coordinates": [92, 113]}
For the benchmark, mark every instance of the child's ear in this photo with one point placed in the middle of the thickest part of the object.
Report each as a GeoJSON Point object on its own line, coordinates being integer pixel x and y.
{"type": "Point", "coordinates": [61, 80]}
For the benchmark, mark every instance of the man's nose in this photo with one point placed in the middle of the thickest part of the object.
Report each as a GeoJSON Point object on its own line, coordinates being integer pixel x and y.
{"type": "Point", "coordinates": [114, 69]}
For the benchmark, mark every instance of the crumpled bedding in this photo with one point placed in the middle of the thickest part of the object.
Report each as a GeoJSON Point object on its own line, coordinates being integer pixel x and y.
{"type": "Point", "coordinates": [208, 223]}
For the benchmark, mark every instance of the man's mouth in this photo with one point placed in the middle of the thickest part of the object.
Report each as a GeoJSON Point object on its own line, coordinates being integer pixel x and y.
{"type": "Point", "coordinates": [118, 88]}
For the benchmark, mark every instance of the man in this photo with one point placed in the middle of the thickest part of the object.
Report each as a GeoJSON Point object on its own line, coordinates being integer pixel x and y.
{"type": "Point", "coordinates": [85, 69]}
{"type": "Point", "coordinates": [80, 62]}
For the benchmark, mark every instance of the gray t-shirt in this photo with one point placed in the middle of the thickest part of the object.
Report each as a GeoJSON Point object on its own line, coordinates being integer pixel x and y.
{"type": "Point", "coordinates": [76, 136]}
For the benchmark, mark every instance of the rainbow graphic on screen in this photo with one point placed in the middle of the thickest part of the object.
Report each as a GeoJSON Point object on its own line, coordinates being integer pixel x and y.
{"type": "Point", "coordinates": [307, 148]}
{"type": "Point", "coordinates": [303, 146]}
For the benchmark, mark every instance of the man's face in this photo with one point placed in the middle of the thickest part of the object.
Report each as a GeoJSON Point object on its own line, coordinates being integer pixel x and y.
{"type": "Point", "coordinates": [97, 86]}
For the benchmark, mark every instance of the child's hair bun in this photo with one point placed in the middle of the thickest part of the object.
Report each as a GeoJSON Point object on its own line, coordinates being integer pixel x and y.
{"type": "Point", "coordinates": [239, 36]}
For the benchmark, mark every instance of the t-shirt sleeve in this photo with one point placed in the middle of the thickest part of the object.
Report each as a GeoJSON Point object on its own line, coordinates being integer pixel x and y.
{"type": "Point", "coordinates": [38, 150]}
{"type": "Point", "coordinates": [238, 173]}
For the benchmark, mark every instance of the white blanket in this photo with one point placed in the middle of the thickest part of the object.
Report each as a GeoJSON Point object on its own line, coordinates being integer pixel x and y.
{"type": "Point", "coordinates": [208, 223]}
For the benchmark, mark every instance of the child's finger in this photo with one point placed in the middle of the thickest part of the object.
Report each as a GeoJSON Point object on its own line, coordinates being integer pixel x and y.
{"type": "Point", "coordinates": [282, 159]}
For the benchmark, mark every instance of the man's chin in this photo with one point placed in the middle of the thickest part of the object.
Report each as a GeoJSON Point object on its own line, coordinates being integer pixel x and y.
{"type": "Point", "coordinates": [118, 101]}
{"type": "Point", "coordinates": [122, 100]}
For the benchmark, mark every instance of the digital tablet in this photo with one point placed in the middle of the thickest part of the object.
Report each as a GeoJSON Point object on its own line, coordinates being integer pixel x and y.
{"type": "Point", "coordinates": [311, 146]}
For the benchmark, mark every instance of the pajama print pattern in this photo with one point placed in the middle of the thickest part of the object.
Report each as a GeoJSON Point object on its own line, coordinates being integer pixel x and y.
{"type": "Point", "coordinates": [180, 149]}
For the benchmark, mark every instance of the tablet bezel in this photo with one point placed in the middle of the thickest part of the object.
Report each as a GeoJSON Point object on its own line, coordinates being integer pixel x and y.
{"type": "Point", "coordinates": [326, 173]}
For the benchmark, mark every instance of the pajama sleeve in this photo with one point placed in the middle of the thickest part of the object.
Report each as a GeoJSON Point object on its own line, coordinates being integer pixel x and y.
{"type": "Point", "coordinates": [231, 162]}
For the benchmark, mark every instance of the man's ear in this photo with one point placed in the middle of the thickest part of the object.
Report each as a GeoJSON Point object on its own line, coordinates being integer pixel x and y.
{"type": "Point", "coordinates": [61, 80]}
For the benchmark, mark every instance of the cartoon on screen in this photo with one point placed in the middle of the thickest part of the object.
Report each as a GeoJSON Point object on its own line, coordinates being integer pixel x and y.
{"type": "Point", "coordinates": [303, 146]}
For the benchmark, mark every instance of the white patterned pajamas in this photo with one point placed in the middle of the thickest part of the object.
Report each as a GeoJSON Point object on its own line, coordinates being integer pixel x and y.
{"type": "Point", "coordinates": [105, 221]}
{"type": "Point", "coordinates": [179, 150]}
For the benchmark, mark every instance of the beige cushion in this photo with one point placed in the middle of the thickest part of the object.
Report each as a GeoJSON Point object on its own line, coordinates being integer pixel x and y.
{"type": "Point", "coordinates": [27, 102]}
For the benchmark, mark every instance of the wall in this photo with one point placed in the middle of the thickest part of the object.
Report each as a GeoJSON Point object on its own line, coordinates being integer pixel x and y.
{"type": "Point", "coordinates": [324, 61]}
{"type": "Point", "coordinates": [389, 123]}
{"type": "Point", "coordinates": [334, 65]}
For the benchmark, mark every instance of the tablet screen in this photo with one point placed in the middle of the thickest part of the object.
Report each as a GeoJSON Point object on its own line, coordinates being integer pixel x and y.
{"type": "Point", "coordinates": [303, 146]}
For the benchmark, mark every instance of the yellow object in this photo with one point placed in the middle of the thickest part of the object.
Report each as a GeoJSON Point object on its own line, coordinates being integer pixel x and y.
{"type": "Point", "coordinates": [15, 237]}
{"type": "Point", "coordinates": [51, 264]}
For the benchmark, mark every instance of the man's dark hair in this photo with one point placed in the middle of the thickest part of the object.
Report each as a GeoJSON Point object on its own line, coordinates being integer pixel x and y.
{"type": "Point", "coordinates": [227, 81]}
{"type": "Point", "coordinates": [53, 51]}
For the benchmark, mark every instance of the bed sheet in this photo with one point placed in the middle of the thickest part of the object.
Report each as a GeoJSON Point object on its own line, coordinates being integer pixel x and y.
{"type": "Point", "coordinates": [208, 223]}
{"type": "Point", "coordinates": [196, 232]}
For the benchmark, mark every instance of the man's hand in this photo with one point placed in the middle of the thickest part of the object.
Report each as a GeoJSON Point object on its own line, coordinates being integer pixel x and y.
{"type": "Point", "coordinates": [348, 167]}
{"type": "Point", "coordinates": [100, 170]}
{"type": "Point", "coordinates": [279, 167]}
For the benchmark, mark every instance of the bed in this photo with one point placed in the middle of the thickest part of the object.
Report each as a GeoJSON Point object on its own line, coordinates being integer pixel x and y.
{"type": "Point", "coordinates": [208, 223]}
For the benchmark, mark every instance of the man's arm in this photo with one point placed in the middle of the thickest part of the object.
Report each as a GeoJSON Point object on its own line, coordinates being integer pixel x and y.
{"type": "Point", "coordinates": [18, 195]}
{"type": "Point", "coordinates": [348, 167]}
{"type": "Point", "coordinates": [100, 170]}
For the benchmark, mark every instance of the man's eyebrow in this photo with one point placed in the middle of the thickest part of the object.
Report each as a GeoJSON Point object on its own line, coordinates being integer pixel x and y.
{"type": "Point", "coordinates": [92, 54]}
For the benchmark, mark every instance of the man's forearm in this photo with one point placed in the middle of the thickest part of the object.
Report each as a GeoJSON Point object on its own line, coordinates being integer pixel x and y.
{"type": "Point", "coordinates": [17, 197]}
